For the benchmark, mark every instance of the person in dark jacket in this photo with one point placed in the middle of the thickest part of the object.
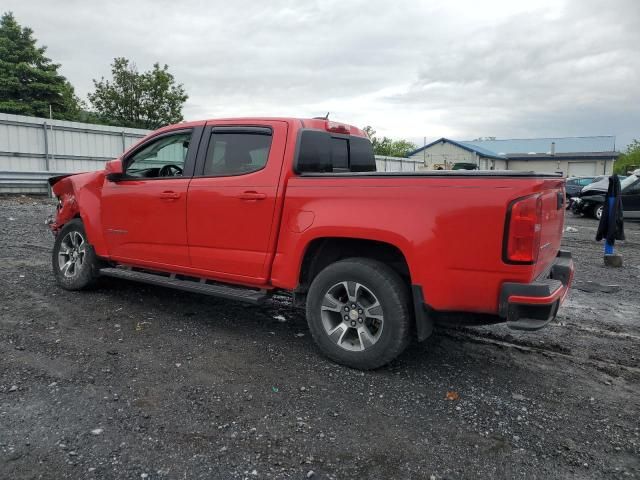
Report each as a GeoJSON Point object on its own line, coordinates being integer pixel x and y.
{"type": "Point", "coordinates": [611, 225]}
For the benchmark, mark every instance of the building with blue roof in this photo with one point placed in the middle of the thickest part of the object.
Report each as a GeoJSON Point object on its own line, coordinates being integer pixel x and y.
{"type": "Point", "coordinates": [571, 156]}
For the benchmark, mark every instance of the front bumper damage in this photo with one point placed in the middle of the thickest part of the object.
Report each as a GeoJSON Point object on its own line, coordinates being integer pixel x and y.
{"type": "Point", "coordinates": [531, 306]}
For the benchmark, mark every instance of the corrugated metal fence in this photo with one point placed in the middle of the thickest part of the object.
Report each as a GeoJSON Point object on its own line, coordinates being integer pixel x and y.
{"type": "Point", "coordinates": [33, 149]}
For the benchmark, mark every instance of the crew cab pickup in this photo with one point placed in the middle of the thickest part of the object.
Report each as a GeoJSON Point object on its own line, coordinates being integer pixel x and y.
{"type": "Point", "coordinates": [243, 208]}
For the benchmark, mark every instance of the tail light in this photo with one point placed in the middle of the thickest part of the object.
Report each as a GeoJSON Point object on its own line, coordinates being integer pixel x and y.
{"type": "Point", "coordinates": [523, 230]}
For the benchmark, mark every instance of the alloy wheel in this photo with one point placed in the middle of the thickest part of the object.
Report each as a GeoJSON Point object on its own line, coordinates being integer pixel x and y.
{"type": "Point", "coordinates": [352, 316]}
{"type": "Point", "coordinates": [72, 254]}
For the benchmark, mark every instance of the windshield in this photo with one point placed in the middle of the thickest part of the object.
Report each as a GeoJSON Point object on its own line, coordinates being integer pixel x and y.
{"type": "Point", "coordinates": [631, 179]}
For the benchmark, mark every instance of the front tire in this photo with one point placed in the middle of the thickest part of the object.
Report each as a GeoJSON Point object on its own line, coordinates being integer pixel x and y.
{"type": "Point", "coordinates": [74, 262]}
{"type": "Point", "coordinates": [358, 313]}
{"type": "Point", "coordinates": [597, 211]}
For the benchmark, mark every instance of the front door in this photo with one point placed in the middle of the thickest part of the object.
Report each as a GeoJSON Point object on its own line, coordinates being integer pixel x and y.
{"type": "Point", "coordinates": [144, 214]}
{"type": "Point", "coordinates": [232, 200]}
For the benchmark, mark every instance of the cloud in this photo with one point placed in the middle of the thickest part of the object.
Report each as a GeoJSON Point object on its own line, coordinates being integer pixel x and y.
{"type": "Point", "coordinates": [410, 69]}
{"type": "Point", "coordinates": [572, 74]}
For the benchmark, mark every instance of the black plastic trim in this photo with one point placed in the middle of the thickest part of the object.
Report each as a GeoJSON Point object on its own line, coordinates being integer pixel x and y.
{"type": "Point", "coordinates": [242, 129]}
{"type": "Point", "coordinates": [424, 320]}
{"type": "Point", "coordinates": [187, 284]}
{"type": "Point", "coordinates": [535, 289]}
{"type": "Point", "coordinates": [436, 173]}
{"type": "Point", "coordinates": [521, 316]}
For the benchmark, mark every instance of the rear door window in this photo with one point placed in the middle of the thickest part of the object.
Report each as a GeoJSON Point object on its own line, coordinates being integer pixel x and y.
{"type": "Point", "coordinates": [237, 152]}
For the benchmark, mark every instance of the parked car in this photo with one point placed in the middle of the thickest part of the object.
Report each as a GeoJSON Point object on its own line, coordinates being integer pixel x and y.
{"type": "Point", "coordinates": [247, 207]}
{"type": "Point", "coordinates": [600, 183]}
{"type": "Point", "coordinates": [576, 184]}
{"type": "Point", "coordinates": [465, 166]}
{"type": "Point", "coordinates": [592, 199]}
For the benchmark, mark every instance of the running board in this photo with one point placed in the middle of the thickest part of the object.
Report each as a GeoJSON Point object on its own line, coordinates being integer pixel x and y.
{"type": "Point", "coordinates": [197, 286]}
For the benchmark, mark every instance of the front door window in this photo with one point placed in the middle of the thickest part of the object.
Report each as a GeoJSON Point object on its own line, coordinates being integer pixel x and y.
{"type": "Point", "coordinates": [164, 157]}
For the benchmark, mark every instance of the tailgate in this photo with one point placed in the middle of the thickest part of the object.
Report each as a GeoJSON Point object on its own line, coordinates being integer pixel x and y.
{"type": "Point", "coordinates": [553, 210]}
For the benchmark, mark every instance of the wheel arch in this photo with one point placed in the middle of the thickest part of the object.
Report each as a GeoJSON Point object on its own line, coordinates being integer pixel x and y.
{"type": "Point", "coordinates": [323, 251]}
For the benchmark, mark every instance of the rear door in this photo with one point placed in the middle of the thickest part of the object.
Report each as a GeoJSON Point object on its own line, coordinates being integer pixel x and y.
{"type": "Point", "coordinates": [232, 197]}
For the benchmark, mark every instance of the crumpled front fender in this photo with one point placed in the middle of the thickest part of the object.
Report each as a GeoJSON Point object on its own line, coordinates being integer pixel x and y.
{"type": "Point", "coordinates": [67, 208]}
{"type": "Point", "coordinates": [80, 196]}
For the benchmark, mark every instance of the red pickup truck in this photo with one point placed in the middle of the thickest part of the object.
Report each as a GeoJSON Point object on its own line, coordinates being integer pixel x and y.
{"type": "Point", "coordinates": [242, 208]}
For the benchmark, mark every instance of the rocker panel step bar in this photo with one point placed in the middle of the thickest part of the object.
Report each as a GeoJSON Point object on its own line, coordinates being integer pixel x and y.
{"type": "Point", "coordinates": [216, 290]}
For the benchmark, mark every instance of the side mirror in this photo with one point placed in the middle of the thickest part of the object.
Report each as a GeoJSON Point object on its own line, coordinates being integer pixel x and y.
{"type": "Point", "coordinates": [114, 171]}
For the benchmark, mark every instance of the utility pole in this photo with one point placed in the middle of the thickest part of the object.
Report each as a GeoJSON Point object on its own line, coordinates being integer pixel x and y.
{"type": "Point", "coordinates": [424, 151]}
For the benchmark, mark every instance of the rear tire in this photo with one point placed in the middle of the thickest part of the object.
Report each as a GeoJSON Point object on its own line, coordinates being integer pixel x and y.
{"type": "Point", "coordinates": [358, 313]}
{"type": "Point", "coordinates": [74, 262]}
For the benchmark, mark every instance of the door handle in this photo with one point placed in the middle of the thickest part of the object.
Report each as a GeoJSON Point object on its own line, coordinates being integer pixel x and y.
{"type": "Point", "coordinates": [252, 196]}
{"type": "Point", "coordinates": [169, 195]}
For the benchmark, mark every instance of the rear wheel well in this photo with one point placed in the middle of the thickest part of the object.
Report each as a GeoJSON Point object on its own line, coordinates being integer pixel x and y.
{"type": "Point", "coordinates": [322, 252]}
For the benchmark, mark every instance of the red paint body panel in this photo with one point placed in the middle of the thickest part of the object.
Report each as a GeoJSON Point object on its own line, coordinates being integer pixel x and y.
{"type": "Point", "coordinates": [450, 229]}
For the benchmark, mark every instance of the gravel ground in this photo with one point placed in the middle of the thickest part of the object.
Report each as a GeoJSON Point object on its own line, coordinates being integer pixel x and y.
{"type": "Point", "coordinates": [133, 381]}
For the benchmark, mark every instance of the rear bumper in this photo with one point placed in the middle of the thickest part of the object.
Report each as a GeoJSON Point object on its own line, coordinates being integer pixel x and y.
{"type": "Point", "coordinates": [530, 306]}
{"type": "Point", "coordinates": [524, 306]}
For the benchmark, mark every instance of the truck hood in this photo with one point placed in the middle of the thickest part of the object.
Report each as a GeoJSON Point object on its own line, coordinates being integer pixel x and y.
{"type": "Point", "coordinates": [77, 180]}
{"type": "Point", "coordinates": [53, 180]}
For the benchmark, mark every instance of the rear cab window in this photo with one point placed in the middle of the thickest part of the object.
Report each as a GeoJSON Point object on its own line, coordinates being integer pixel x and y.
{"type": "Point", "coordinates": [324, 152]}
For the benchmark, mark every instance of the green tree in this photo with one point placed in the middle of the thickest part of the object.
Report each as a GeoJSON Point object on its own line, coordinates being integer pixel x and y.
{"type": "Point", "coordinates": [388, 147]}
{"type": "Point", "coordinates": [29, 81]}
{"type": "Point", "coordinates": [149, 99]}
{"type": "Point", "coordinates": [630, 160]}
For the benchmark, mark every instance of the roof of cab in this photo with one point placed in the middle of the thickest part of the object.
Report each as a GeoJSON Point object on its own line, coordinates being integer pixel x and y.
{"type": "Point", "coordinates": [314, 123]}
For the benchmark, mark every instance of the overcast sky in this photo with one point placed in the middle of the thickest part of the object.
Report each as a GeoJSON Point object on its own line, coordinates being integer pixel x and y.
{"type": "Point", "coordinates": [461, 69]}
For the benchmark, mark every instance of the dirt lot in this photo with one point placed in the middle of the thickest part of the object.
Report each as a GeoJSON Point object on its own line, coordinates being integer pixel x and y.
{"type": "Point", "coordinates": [133, 381]}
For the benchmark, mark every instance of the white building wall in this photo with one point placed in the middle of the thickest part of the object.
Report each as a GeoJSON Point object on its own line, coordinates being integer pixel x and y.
{"type": "Point", "coordinates": [500, 164]}
{"type": "Point", "coordinates": [396, 164]}
{"type": "Point", "coordinates": [545, 166]}
{"type": "Point", "coordinates": [443, 154]}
